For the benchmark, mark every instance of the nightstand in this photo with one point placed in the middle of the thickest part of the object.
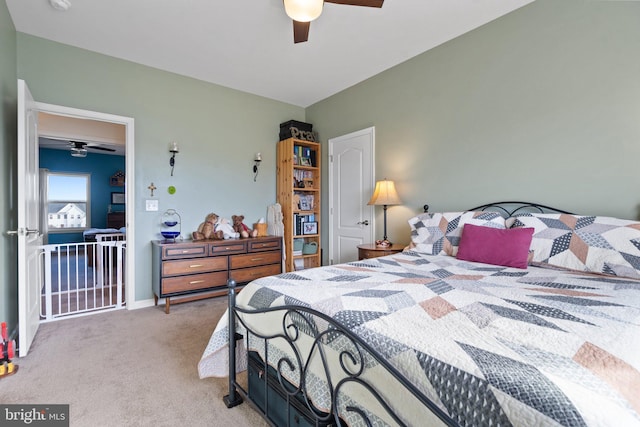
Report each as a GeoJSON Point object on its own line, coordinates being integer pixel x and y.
{"type": "Point", "coordinates": [370, 250]}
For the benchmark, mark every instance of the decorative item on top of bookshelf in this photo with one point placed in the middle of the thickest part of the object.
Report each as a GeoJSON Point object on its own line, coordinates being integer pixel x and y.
{"type": "Point", "coordinates": [298, 130]}
{"type": "Point", "coordinates": [309, 228]}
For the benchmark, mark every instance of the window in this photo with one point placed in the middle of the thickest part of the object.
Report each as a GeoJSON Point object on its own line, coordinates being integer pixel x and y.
{"type": "Point", "coordinates": [68, 201]}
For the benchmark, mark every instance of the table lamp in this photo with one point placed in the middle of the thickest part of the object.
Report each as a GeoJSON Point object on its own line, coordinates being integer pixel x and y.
{"type": "Point", "coordinates": [384, 194]}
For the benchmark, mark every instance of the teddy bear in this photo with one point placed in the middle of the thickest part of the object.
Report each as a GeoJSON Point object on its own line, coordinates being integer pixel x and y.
{"type": "Point", "coordinates": [241, 228]}
{"type": "Point", "coordinates": [207, 229]}
{"type": "Point", "coordinates": [222, 226]}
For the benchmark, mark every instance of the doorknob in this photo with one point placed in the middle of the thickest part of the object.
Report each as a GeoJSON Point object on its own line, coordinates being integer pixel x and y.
{"type": "Point", "coordinates": [365, 222]}
{"type": "Point", "coordinates": [22, 232]}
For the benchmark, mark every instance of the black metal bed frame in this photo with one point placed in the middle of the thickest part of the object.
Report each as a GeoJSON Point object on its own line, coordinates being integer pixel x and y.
{"type": "Point", "coordinates": [353, 358]}
{"type": "Point", "coordinates": [353, 362]}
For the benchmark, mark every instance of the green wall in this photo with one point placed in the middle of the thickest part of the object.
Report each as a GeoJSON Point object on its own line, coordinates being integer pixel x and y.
{"type": "Point", "coordinates": [8, 135]}
{"type": "Point", "coordinates": [541, 105]}
{"type": "Point", "coordinates": [219, 130]}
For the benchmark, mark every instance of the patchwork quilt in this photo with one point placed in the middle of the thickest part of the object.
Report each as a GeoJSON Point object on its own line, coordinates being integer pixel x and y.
{"type": "Point", "coordinates": [489, 345]}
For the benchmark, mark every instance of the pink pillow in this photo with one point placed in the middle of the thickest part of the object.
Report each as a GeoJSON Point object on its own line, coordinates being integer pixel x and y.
{"type": "Point", "coordinates": [509, 247]}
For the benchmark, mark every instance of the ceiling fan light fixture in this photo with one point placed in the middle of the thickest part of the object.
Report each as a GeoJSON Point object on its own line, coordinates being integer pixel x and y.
{"type": "Point", "coordinates": [303, 10]}
{"type": "Point", "coordinates": [60, 4]}
{"type": "Point", "coordinates": [78, 152]}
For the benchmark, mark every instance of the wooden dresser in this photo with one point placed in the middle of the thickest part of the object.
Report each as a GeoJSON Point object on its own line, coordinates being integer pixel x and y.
{"type": "Point", "coordinates": [194, 270]}
{"type": "Point", "coordinates": [116, 220]}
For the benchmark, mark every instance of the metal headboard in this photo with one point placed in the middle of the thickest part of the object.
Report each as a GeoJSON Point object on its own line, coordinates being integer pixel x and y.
{"type": "Point", "coordinates": [510, 208]}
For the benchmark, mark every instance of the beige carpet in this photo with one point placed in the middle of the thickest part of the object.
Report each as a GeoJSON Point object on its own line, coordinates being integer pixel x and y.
{"type": "Point", "coordinates": [128, 368]}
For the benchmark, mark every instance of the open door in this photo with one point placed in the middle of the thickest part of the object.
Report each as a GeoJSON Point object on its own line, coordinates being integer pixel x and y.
{"type": "Point", "coordinates": [29, 237]}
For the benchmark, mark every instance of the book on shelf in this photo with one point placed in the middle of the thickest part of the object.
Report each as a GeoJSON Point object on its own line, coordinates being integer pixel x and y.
{"type": "Point", "coordinates": [304, 156]}
{"type": "Point", "coordinates": [298, 223]}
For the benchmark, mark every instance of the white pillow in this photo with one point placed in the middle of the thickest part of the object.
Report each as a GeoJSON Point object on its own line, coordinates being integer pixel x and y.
{"type": "Point", "coordinates": [439, 233]}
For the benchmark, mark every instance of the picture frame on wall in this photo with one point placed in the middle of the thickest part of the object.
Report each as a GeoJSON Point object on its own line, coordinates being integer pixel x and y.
{"type": "Point", "coordinates": [117, 198]}
{"type": "Point", "coordinates": [310, 228]}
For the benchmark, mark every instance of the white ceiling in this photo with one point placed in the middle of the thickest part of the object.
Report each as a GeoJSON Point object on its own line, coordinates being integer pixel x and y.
{"type": "Point", "coordinates": [248, 44]}
{"type": "Point", "coordinates": [57, 132]}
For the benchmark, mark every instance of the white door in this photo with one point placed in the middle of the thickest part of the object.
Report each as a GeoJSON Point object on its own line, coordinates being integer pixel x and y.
{"type": "Point", "coordinates": [351, 183]}
{"type": "Point", "coordinates": [29, 237]}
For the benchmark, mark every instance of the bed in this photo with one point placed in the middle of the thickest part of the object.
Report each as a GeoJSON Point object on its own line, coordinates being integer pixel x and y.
{"type": "Point", "coordinates": [523, 315]}
{"type": "Point", "coordinates": [99, 235]}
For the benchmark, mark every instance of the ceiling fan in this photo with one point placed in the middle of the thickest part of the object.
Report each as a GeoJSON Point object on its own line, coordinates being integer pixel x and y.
{"type": "Point", "coordinates": [304, 11]}
{"type": "Point", "coordinates": [79, 148]}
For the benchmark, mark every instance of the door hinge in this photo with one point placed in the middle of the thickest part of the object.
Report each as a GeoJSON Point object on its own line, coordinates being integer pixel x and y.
{"type": "Point", "coordinates": [331, 158]}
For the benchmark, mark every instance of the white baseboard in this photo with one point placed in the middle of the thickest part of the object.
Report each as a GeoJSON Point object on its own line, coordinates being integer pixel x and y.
{"type": "Point", "coordinates": [142, 304]}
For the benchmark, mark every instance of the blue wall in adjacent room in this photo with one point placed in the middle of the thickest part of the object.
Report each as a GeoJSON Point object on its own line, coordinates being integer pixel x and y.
{"type": "Point", "coordinates": [101, 167]}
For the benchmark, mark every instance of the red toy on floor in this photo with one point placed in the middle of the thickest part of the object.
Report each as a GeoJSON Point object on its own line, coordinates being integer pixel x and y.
{"type": "Point", "coordinates": [6, 353]}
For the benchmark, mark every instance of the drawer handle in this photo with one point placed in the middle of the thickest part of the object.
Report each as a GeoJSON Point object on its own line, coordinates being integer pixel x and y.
{"type": "Point", "coordinates": [195, 282]}
{"type": "Point", "coordinates": [195, 265]}
{"type": "Point", "coordinates": [185, 251]}
{"type": "Point", "coordinates": [256, 259]}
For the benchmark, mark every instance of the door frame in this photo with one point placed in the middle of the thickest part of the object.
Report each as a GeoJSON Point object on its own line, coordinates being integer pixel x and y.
{"type": "Point", "coordinates": [332, 181]}
{"type": "Point", "coordinates": [128, 122]}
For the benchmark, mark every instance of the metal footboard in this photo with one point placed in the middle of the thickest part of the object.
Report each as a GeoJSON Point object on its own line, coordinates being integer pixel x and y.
{"type": "Point", "coordinates": [321, 354]}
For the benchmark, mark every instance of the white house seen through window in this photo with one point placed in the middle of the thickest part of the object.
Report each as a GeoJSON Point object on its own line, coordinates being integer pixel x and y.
{"type": "Point", "coordinates": [68, 201]}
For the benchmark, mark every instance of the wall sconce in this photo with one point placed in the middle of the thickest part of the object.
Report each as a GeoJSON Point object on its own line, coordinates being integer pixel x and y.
{"type": "Point", "coordinates": [173, 149]}
{"type": "Point", "coordinates": [256, 163]}
{"type": "Point", "coordinates": [384, 194]}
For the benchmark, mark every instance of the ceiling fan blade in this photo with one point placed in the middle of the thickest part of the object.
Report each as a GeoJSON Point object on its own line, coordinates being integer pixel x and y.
{"type": "Point", "coordinates": [96, 147]}
{"type": "Point", "coordinates": [368, 3]}
{"type": "Point", "coordinates": [300, 31]}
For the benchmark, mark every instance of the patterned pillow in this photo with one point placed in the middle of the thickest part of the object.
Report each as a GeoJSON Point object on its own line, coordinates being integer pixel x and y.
{"type": "Point", "coordinates": [439, 233]}
{"type": "Point", "coordinates": [585, 243]}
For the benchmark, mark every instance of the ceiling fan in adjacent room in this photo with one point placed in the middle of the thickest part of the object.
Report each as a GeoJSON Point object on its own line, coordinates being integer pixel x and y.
{"type": "Point", "coordinates": [304, 11]}
{"type": "Point", "coordinates": [79, 148]}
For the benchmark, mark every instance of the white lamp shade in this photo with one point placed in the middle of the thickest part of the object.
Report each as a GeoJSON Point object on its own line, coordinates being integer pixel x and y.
{"type": "Point", "coordinates": [385, 194]}
{"type": "Point", "coordinates": [303, 10]}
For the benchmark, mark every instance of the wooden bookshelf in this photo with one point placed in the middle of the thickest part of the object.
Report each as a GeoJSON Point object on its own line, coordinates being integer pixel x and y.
{"type": "Point", "coordinates": [298, 188]}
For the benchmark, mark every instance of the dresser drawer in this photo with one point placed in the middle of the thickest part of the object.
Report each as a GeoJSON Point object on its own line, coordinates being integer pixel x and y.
{"type": "Point", "coordinates": [249, 274]}
{"type": "Point", "coordinates": [227, 247]}
{"type": "Point", "coordinates": [193, 282]}
{"type": "Point", "coordinates": [177, 252]}
{"type": "Point", "coordinates": [257, 246]}
{"type": "Point", "coordinates": [192, 266]}
{"type": "Point", "coordinates": [254, 259]}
